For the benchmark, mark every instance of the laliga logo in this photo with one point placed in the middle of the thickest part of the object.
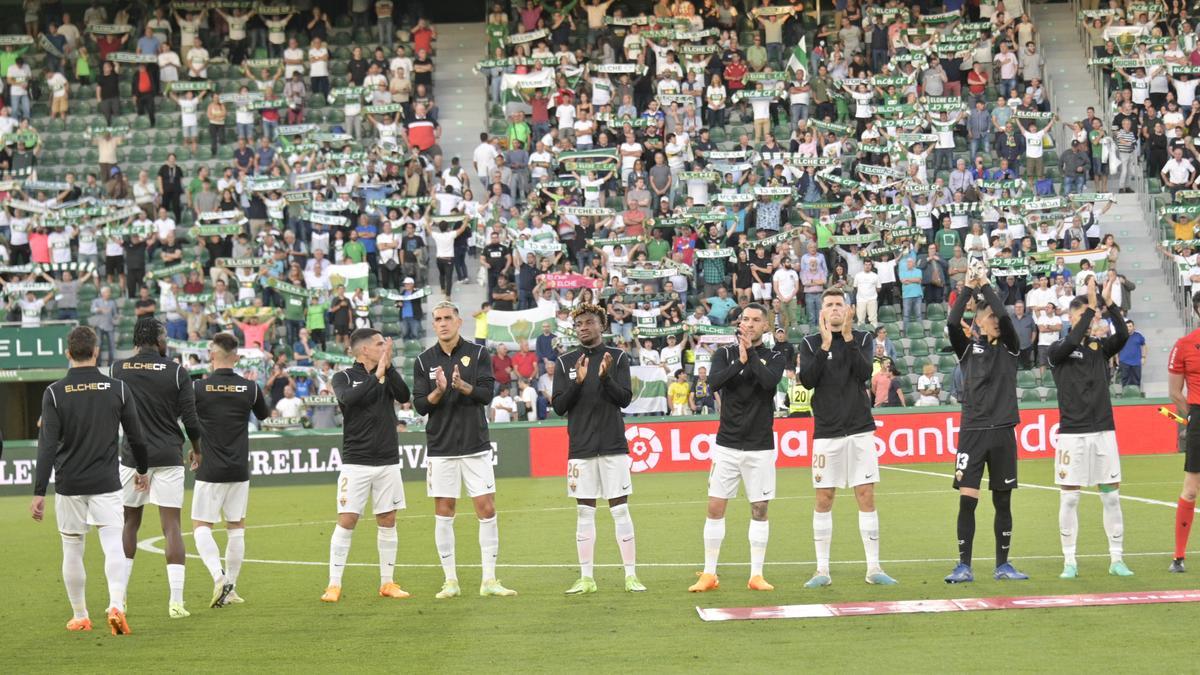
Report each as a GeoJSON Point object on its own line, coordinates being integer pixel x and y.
{"type": "Point", "coordinates": [644, 448]}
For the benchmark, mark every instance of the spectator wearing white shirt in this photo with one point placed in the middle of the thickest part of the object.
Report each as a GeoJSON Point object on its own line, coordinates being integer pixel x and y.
{"type": "Point", "coordinates": [290, 405]}
{"type": "Point", "coordinates": [503, 406]}
{"type": "Point", "coordinates": [866, 294]}
{"type": "Point", "coordinates": [1178, 173]}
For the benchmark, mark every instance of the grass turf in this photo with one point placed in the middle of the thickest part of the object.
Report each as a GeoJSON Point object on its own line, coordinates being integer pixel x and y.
{"type": "Point", "coordinates": [283, 625]}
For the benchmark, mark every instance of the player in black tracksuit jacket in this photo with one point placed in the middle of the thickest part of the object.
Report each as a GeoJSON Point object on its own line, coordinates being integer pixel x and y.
{"type": "Point", "coordinates": [162, 390]}
{"type": "Point", "coordinates": [1087, 452]}
{"type": "Point", "coordinates": [987, 433]}
{"type": "Point", "coordinates": [82, 415]}
{"type": "Point", "coordinates": [591, 386]}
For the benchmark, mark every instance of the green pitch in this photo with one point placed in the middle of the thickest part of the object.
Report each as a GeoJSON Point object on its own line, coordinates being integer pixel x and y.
{"type": "Point", "coordinates": [283, 625]}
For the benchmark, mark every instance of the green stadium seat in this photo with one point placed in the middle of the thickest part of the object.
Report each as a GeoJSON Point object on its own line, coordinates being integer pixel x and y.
{"type": "Point", "coordinates": [1029, 395]}
{"type": "Point", "coordinates": [1049, 393]}
{"type": "Point", "coordinates": [914, 331]}
{"type": "Point", "coordinates": [1115, 391]}
{"type": "Point", "coordinates": [1132, 391]}
{"type": "Point", "coordinates": [1026, 378]}
{"type": "Point", "coordinates": [935, 312]}
{"type": "Point", "coordinates": [888, 314]}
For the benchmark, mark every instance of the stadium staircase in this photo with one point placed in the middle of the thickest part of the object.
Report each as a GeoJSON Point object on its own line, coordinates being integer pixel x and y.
{"type": "Point", "coordinates": [1155, 310]}
{"type": "Point", "coordinates": [461, 95]}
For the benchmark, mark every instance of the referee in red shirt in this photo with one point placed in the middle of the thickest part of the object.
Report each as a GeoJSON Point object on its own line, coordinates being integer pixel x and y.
{"type": "Point", "coordinates": [1184, 368]}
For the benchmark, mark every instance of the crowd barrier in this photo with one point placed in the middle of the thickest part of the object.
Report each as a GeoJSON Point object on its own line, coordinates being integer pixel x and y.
{"type": "Point", "coordinates": [658, 444]}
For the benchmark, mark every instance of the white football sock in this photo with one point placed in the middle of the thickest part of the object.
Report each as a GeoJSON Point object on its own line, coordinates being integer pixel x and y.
{"type": "Point", "coordinates": [443, 537]}
{"type": "Point", "coordinates": [127, 569]}
{"type": "Point", "coordinates": [760, 531]}
{"type": "Point", "coordinates": [339, 550]}
{"type": "Point", "coordinates": [235, 552]}
{"type": "Point", "coordinates": [115, 566]}
{"type": "Point", "coordinates": [714, 534]}
{"type": "Point", "coordinates": [868, 529]}
{"type": "Point", "coordinates": [1114, 524]}
{"type": "Point", "coordinates": [175, 576]}
{"type": "Point", "coordinates": [585, 537]}
{"type": "Point", "coordinates": [623, 524]}
{"type": "Point", "coordinates": [387, 543]}
{"type": "Point", "coordinates": [489, 546]}
{"type": "Point", "coordinates": [206, 546]}
{"type": "Point", "coordinates": [822, 539]}
{"type": "Point", "coordinates": [74, 575]}
{"type": "Point", "coordinates": [1068, 523]}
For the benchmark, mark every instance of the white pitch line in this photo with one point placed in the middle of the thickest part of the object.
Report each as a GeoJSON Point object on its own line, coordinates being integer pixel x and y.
{"type": "Point", "coordinates": [1054, 488]}
{"type": "Point", "coordinates": [782, 563]}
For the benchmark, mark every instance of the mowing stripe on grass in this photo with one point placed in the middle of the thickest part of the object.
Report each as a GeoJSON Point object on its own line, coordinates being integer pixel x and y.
{"type": "Point", "coordinates": [839, 609]}
{"type": "Point", "coordinates": [1054, 488]}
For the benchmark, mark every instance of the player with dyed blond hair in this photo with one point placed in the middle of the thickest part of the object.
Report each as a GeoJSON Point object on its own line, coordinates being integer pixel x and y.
{"type": "Point", "coordinates": [591, 386]}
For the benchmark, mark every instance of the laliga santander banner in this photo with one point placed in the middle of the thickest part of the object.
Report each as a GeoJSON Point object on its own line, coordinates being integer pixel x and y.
{"type": "Point", "coordinates": [906, 438]}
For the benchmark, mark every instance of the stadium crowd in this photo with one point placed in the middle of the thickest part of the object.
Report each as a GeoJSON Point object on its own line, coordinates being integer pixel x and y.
{"type": "Point", "coordinates": [671, 166]}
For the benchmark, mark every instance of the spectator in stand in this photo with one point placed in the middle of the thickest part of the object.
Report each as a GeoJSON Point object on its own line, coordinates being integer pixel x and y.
{"type": "Point", "coordinates": [103, 318]}
{"type": "Point", "coordinates": [1131, 358]}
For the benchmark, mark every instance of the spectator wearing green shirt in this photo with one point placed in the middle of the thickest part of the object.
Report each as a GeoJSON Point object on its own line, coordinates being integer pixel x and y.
{"type": "Point", "coordinates": [293, 315]}
{"type": "Point", "coordinates": [518, 130]}
{"type": "Point", "coordinates": [354, 251]}
{"type": "Point", "coordinates": [314, 319]}
{"type": "Point", "coordinates": [658, 247]}
{"type": "Point", "coordinates": [756, 55]}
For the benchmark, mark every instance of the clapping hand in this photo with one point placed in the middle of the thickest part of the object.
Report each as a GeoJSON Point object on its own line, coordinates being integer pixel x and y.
{"type": "Point", "coordinates": [823, 327]}
{"type": "Point", "coordinates": [460, 385]}
{"type": "Point", "coordinates": [605, 364]}
{"type": "Point", "coordinates": [743, 348]}
{"type": "Point", "coordinates": [441, 379]}
{"type": "Point", "coordinates": [581, 367]}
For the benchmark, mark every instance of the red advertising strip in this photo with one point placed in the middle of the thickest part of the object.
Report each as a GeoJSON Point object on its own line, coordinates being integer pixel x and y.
{"type": "Point", "coordinates": [906, 438]}
{"type": "Point", "coordinates": [936, 606]}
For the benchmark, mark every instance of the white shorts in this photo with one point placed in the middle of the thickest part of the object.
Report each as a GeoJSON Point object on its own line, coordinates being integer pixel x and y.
{"type": "Point", "coordinates": [845, 462]}
{"type": "Point", "coordinates": [166, 487]}
{"type": "Point", "coordinates": [76, 513]}
{"type": "Point", "coordinates": [1087, 459]}
{"type": "Point", "coordinates": [191, 131]}
{"type": "Point", "coordinates": [761, 291]}
{"type": "Point", "coordinates": [444, 476]}
{"type": "Point", "coordinates": [213, 502]}
{"type": "Point", "coordinates": [382, 484]}
{"type": "Point", "coordinates": [755, 468]}
{"type": "Point", "coordinates": [603, 477]}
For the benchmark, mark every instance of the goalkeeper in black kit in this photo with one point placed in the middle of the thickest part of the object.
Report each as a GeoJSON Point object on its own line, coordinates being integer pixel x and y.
{"type": "Point", "coordinates": [987, 435]}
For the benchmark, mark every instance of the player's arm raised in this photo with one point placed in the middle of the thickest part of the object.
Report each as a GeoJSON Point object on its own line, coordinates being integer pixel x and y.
{"type": "Point", "coordinates": [959, 340]}
{"type": "Point", "coordinates": [1113, 344]}
{"type": "Point", "coordinates": [723, 370]}
{"type": "Point", "coordinates": [349, 395]}
{"type": "Point", "coordinates": [1062, 349]}
{"type": "Point", "coordinates": [1008, 332]}
{"type": "Point", "coordinates": [615, 380]}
